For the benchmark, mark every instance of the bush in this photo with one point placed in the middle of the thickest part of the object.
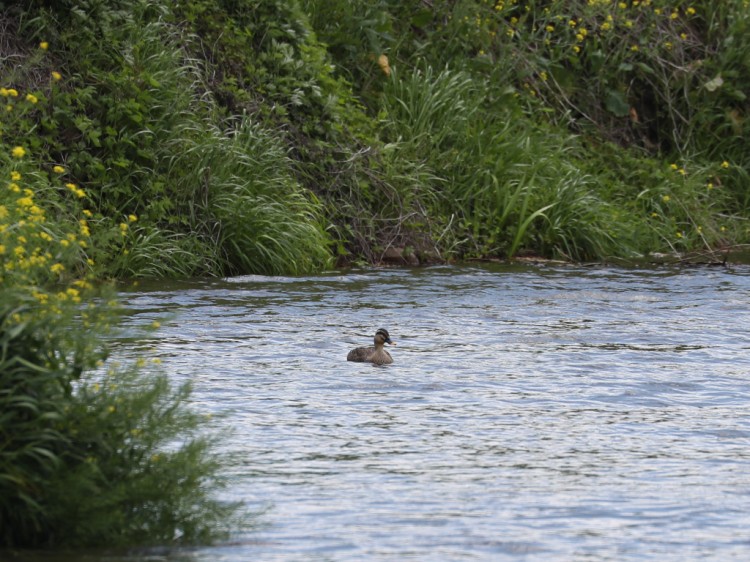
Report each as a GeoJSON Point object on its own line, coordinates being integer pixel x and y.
{"type": "Point", "coordinates": [85, 459]}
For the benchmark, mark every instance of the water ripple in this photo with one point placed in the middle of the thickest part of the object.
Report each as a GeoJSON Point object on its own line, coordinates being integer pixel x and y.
{"type": "Point", "coordinates": [531, 413]}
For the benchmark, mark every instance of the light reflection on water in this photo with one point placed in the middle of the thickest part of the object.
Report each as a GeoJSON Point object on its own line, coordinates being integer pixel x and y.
{"type": "Point", "coordinates": [530, 413]}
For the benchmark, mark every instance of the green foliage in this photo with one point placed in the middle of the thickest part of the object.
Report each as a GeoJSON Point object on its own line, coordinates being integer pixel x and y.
{"type": "Point", "coordinates": [84, 461]}
{"type": "Point", "coordinates": [85, 458]}
{"type": "Point", "coordinates": [260, 217]}
{"type": "Point", "coordinates": [254, 136]}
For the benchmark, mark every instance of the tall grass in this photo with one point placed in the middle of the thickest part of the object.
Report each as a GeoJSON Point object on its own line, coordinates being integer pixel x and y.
{"type": "Point", "coordinates": [510, 187]}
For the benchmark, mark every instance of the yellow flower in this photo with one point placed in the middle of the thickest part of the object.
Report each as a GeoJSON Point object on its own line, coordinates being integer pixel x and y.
{"type": "Point", "coordinates": [634, 48]}
{"type": "Point", "coordinates": [4, 92]}
{"type": "Point", "coordinates": [25, 202]}
{"type": "Point", "coordinates": [384, 65]}
{"type": "Point", "coordinates": [31, 98]}
{"type": "Point", "coordinates": [673, 166]}
{"type": "Point", "coordinates": [18, 152]}
{"type": "Point", "coordinates": [683, 36]}
{"type": "Point", "coordinates": [15, 176]}
{"type": "Point", "coordinates": [666, 198]}
{"type": "Point", "coordinates": [44, 45]}
{"type": "Point", "coordinates": [12, 92]}
{"type": "Point", "coordinates": [725, 164]}
{"type": "Point", "coordinates": [155, 324]}
{"type": "Point", "coordinates": [111, 409]}
{"type": "Point", "coordinates": [576, 49]}
{"type": "Point", "coordinates": [690, 11]}
{"type": "Point", "coordinates": [87, 213]}
{"type": "Point", "coordinates": [57, 268]}
{"type": "Point", "coordinates": [2, 249]}
{"type": "Point", "coordinates": [56, 76]}
{"type": "Point", "coordinates": [132, 218]}
{"type": "Point", "coordinates": [674, 15]}
{"type": "Point", "coordinates": [549, 28]}
{"type": "Point", "coordinates": [58, 170]}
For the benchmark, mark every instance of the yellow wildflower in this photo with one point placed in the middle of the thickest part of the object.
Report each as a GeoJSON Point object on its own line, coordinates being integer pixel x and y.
{"type": "Point", "coordinates": [384, 65]}
{"type": "Point", "coordinates": [58, 170]}
{"type": "Point", "coordinates": [12, 92]}
{"type": "Point", "coordinates": [44, 45]}
{"type": "Point", "coordinates": [57, 268]}
{"type": "Point", "coordinates": [56, 76]}
{"type": "Point", "coordinates": [18, 152]}
{"type": "Point", "coordinates": [31, 98]}
{"type": "Point", "coordinates": [725, 164]}
{"type": "Point", "coordinates": [87, 213]}
{"type": "Point", "coordinates": [690, 11]}
{"type": "Point", "coordinates": [666, 198]}
{"type": "Point", "coordinates": [2, 249]}
{"type": "Point", "coordinates": [15, 176]}
{"type": "Point", "coordinates": [132, 218]}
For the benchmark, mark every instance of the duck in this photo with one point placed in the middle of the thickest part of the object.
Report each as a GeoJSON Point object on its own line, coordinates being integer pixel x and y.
{"type": "Point", "coordinates": [376, 354]}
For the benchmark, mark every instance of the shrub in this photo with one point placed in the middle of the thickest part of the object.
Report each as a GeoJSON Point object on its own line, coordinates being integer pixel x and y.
{"type": "Point", "coordinates": [85, 459]}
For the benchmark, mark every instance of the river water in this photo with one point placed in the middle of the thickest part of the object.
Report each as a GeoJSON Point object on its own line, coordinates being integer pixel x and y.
{"type": "Point", "coordinates": [531, 413]}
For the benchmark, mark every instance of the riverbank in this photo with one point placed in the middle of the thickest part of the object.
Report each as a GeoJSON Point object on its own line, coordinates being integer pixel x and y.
{"type": "Point", "coordinates": [215, 140]}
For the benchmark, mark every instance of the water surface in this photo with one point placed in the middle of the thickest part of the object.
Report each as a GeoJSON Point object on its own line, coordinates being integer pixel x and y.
{"type": "Point", "coordinates": [531, 413]}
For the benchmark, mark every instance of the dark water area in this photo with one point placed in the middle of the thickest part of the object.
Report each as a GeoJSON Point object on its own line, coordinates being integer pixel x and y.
{"type": "Point", "coordinates": [531, 413]}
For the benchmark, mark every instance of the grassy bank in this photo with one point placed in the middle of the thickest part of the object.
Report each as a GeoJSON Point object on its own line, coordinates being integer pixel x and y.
{"type": "Point", "coordinates": [274, 136]}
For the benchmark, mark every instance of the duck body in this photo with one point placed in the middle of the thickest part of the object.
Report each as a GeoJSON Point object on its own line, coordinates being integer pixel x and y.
{"type": "Point", "coordinates": [377, 354]}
